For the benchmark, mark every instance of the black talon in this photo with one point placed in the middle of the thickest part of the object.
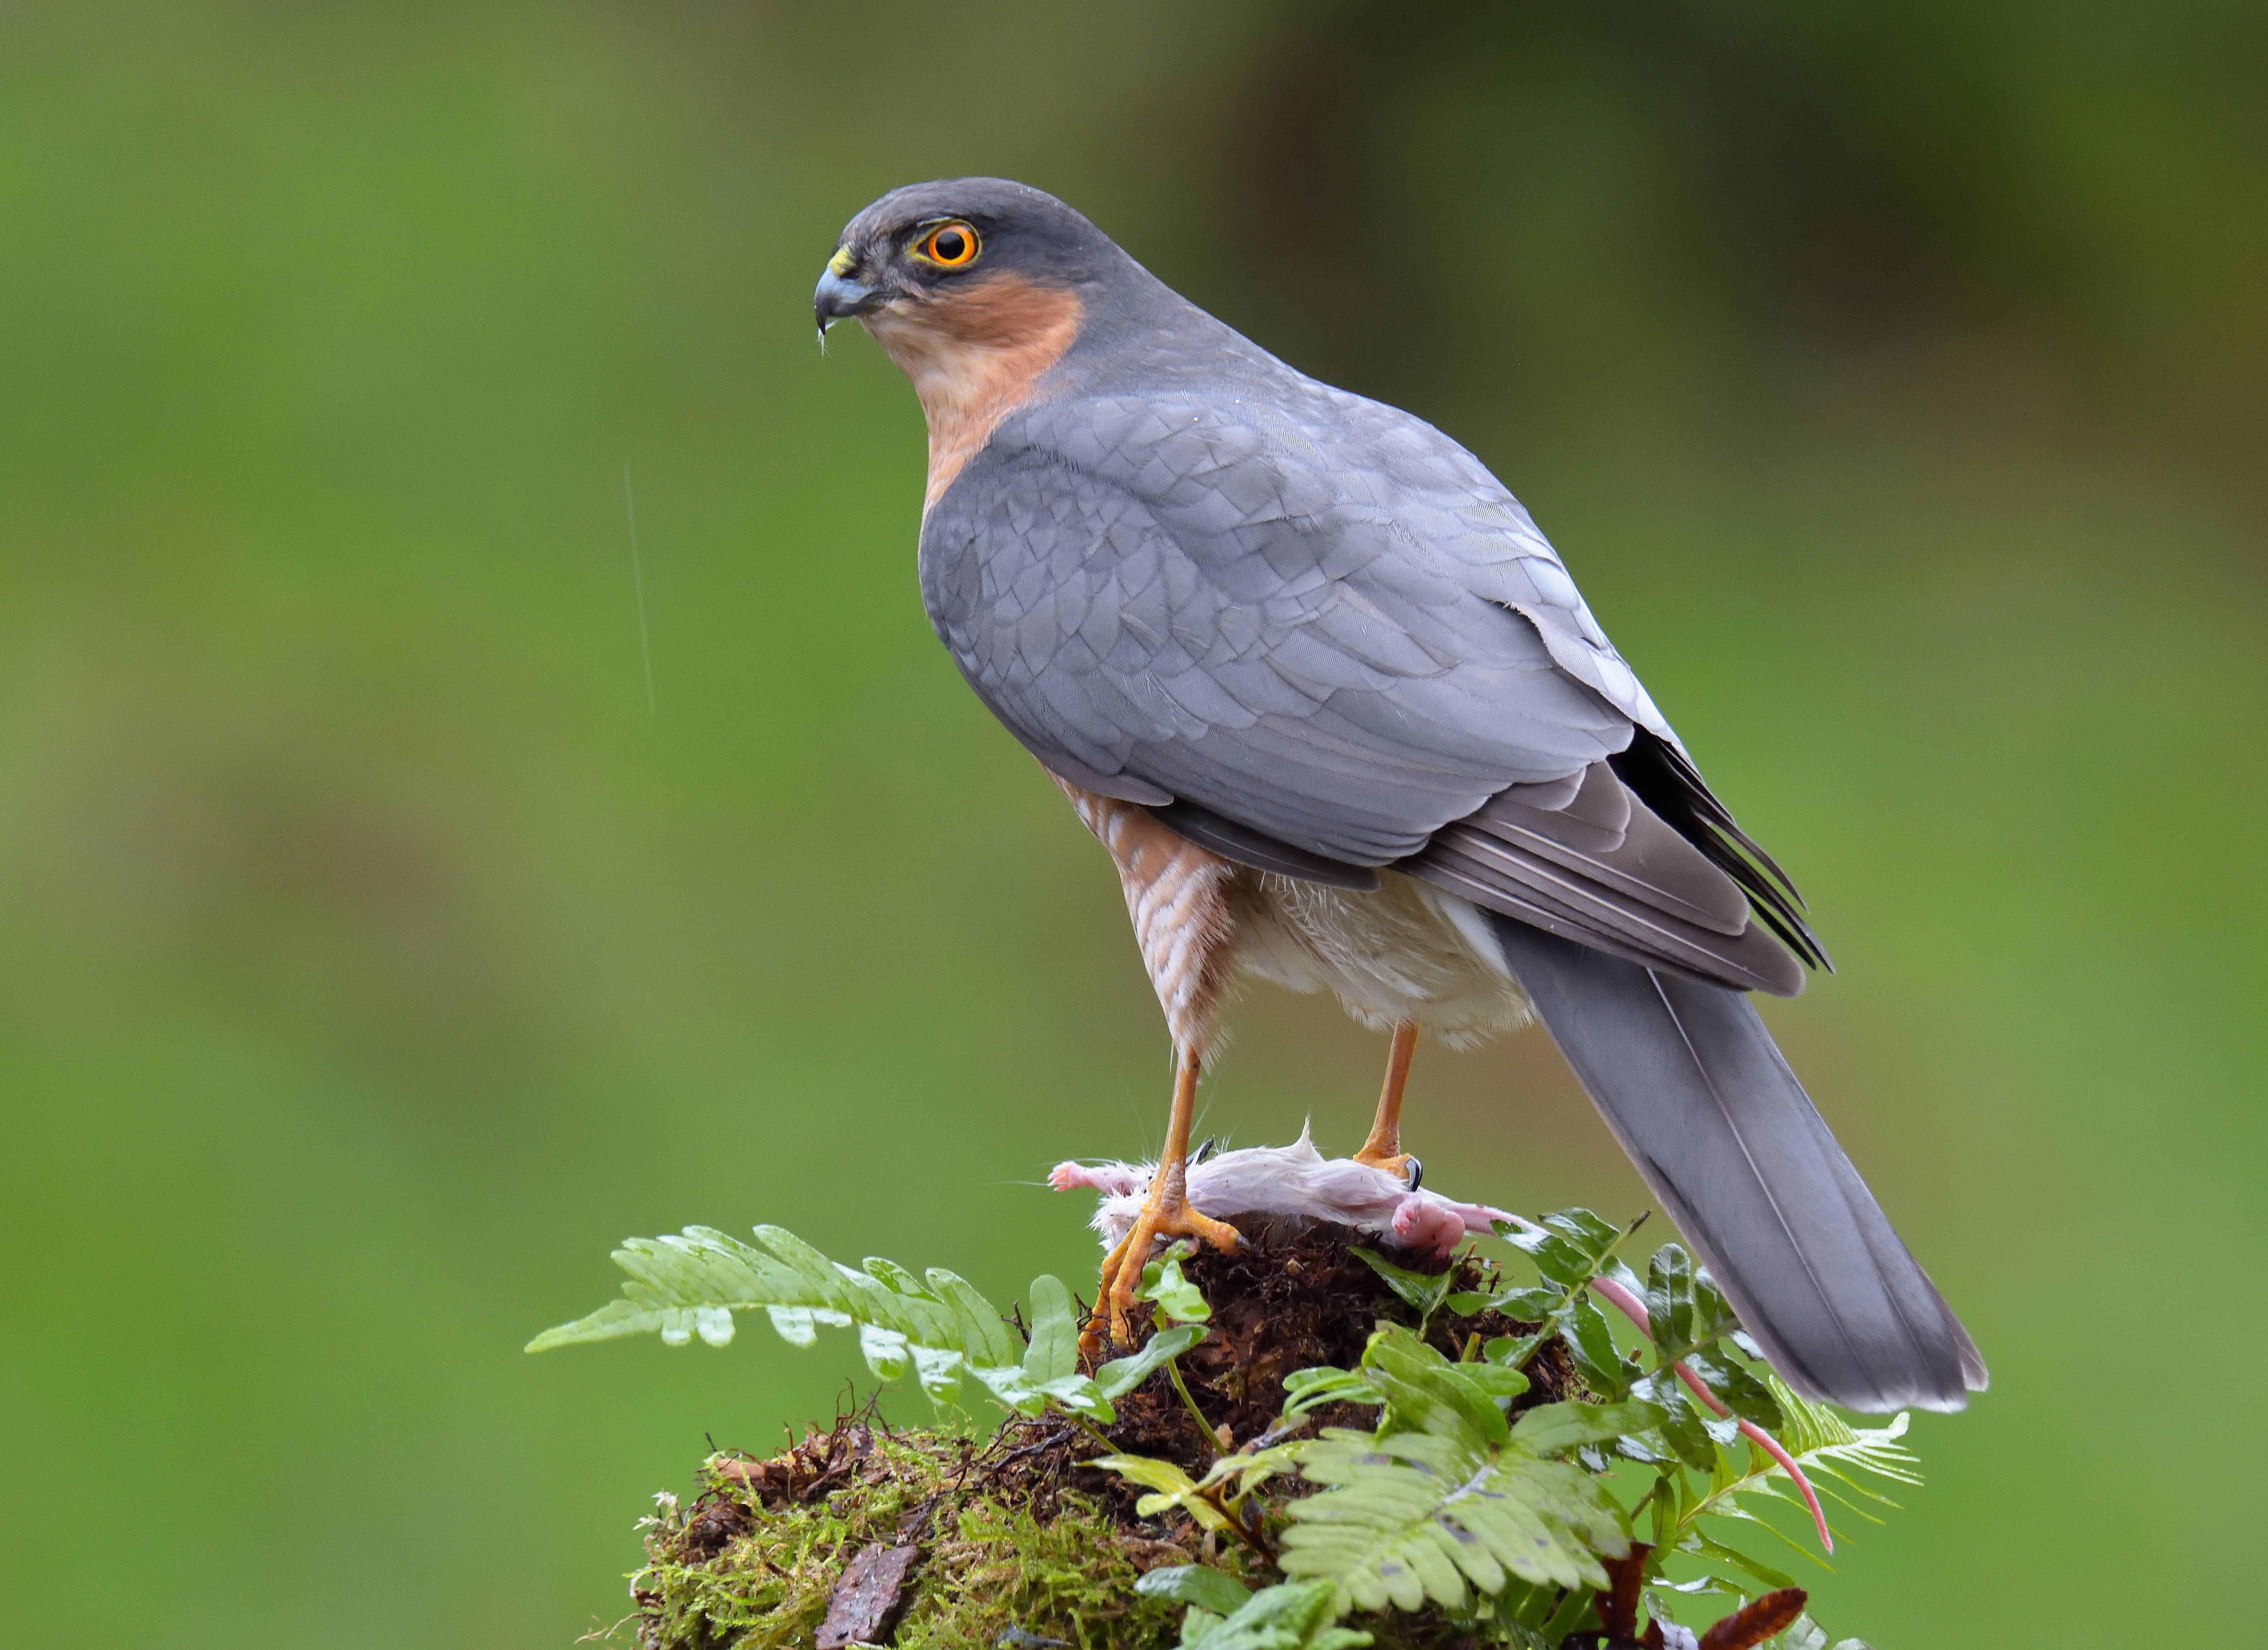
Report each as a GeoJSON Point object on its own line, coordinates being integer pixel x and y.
{"type": "Point", "coordinates": [1416, 1171]}
{"type": "Point", "coordinates": [1204, 1150]}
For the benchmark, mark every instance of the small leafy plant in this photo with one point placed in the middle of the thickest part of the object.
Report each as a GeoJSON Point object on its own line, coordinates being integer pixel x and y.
{"type": "Point", "coordinates": [1471, 1498]}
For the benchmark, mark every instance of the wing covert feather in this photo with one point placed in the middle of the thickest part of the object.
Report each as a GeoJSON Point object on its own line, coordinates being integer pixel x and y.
{"type": "Point", "coordinates": [1324, 628]}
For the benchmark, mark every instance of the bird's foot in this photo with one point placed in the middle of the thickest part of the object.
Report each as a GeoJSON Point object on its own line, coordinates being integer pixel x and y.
{"type": "Point", "coordinates": [1394, 1160]}
{"type": "Point", "coordinates": [1166, 1212]}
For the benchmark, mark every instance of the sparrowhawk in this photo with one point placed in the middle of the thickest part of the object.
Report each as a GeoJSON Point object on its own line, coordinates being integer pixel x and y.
{"type": "Point", "coordinates": [1343, 721]}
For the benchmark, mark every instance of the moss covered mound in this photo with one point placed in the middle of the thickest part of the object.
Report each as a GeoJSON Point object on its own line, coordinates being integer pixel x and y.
{"type": "Point", "coordinates": [863, 1534]}
{"type": "Point", "coordinates": [759, 1556]}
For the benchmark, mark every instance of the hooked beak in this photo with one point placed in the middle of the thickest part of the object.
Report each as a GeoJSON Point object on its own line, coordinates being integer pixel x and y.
{"type": "Point", "coordinates": [840, 296]}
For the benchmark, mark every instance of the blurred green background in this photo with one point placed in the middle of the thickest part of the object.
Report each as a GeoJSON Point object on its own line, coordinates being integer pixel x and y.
{"type": "Point", "coordinates": [1894, 375]}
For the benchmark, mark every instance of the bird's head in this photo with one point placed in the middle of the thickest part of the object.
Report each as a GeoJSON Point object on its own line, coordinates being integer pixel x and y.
{"type": "Point", "coordinates": [975, 287]}
{"type": "Point", "coordinates": [930, 256]}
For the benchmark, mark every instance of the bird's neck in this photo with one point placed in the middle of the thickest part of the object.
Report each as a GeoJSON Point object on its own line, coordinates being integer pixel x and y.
{"type": "Point", "coordinates": [974, 359]}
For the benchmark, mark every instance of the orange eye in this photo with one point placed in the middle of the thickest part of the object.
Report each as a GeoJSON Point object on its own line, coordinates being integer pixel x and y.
{"type": "Point", "coordinates": [950, 245]}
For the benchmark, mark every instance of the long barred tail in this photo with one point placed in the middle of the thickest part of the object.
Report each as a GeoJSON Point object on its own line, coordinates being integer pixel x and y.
{"type": "Point", "coordinates": [1694, 1088]}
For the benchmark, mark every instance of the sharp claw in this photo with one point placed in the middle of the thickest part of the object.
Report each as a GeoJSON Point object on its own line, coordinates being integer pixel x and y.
{"type": "Point", "coordinates": [1402, 1165]}
{"type": "Point", "coordinates": [1122, 1270]}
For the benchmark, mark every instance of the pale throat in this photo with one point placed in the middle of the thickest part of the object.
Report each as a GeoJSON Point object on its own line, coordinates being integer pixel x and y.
{"type": "Point", "coordinates": [973, 359]}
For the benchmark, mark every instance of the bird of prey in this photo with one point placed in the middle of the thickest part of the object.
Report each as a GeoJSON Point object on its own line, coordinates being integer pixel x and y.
{"type": "Point", "coordinates": [1343, 721]}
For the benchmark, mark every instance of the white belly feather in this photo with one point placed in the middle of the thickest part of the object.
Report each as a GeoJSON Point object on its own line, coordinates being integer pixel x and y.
{"type": "Point", "coordinates": [1409, 951]}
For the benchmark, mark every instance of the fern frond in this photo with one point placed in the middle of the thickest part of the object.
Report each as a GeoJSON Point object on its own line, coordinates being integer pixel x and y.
{"type": "Point", "coordinates": [1418, 1516]}
{"type": "Point", "coordinates": [1448, 1496]}
{"type": "Point", "coordinates": [935, 1328]}
{"type": "Point", "coordinates": [1828, 1448]}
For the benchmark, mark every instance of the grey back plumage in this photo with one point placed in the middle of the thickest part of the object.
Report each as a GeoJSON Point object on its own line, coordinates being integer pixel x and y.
{"type": "Point", "coordinates": [1323, 636]}
{"type": "Point", "coordinates": [1293, 605]}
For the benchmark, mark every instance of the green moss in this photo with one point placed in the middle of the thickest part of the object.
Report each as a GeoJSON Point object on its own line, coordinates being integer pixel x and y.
{"type": "Point", "coordinates": [1068, 1576]}
{"type": "Point", "coordinates": [754, 1561]}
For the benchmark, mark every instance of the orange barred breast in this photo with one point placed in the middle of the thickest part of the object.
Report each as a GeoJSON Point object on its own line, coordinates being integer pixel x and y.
{"type": "Point", "coordinates": [1178, 896]}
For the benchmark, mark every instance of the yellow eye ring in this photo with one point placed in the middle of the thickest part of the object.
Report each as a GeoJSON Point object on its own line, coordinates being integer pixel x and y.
{"type": "Point", "coordinates": [950, 246]}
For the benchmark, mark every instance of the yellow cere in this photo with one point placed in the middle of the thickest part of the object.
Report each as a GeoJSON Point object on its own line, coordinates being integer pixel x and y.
{"type": "Point", "coordinates": [841, 263]}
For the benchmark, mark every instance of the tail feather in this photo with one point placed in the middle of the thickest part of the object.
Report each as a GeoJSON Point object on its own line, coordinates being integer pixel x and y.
{"type": "Point", "coordinates": [1694, 1088]}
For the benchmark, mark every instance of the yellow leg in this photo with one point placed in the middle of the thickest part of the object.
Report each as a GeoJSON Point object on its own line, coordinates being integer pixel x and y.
{"type": "Point", "coordinates": [1166, 1212]}
{"type": "Point", "coordinates": [1383, 1149]}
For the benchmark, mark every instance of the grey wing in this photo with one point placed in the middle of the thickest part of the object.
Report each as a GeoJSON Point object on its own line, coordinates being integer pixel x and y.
{"type": "Point", "coordinates": [1160, 592]}
{"type": "Point", "coordinates": [1314, 622]}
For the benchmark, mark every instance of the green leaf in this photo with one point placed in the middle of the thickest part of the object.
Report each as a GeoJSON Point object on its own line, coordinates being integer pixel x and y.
{"type": "Point", "coordinates": [939, 1369]}
{"type": "Point", "coordinates": [1494, 1379]}
{"type": "Point", "coordinates": [894, 1277]}
{"type": "Point", "coordinates": [1196, 1584]}
{"type": "Point", "coordinates": [1685, 1311]}
{"type": "Point", "coordinates": [1428, 1393]}
{"type": "Point", "coordinates": [1520, 1612]}
{"type": "Point", "coordinates": [1669, 1302]}
{"type": "Point", "coordinates": [1560, 1624]}
{"type": "Point", "coordinates": [1513, 1353]}
{"type": "Point", "coordinates": [1306, 1390]}
{"type": "Point", "coordinates": [1175, 1296]}
{"type": "Point", "coordinates": [821, 1278]}
{"type": "Point", "coordinates": [1469, 1302]}
{"type": "Point", "coordinates": [887, 1352]}
{"type": "Point", "coordinates": [1713, 1315]}
{"type": "Point", "coordinates": [984, 1335]}
{"type": "Point", "coordinates": [1739, 1390]}
{"type": "Point", "coordinates": [1682, 1426]}
{"type": "Point", "coordinates": [1531, 1305]}
{"type": "Point", "coordinates": [1743, 1569]}
{"type": "Point", "coordinates": [1078, 1394]}
{"type": "Point", "coordinates": [1286, 1617]}
{"type": "Point", "coordinates": [1570, 1249]}
{"type": "Point", "coordinates": [1249, 1472]}
{"type": "Point", "coordinates": [713, 1324]}
{"type": "Point", "coordinates": [615, 1319]}
{"type": "Point", "coordinates": [1422, 1292]}
{"type": "Point", "coordinates": [792, 1324]}
{"type": "Point", "coordinates": [1053, 1353]}
{"type": "Point", "coordinates": [1555, 1429]}
{"type": "Point", "coordinates": [1121, 1375]}
{"type": "Point", "coordinates": [1174, 1488]}
{"type": "Point", "coordinates": [1012, 1387]}
{"type": "Point", "coordinates": [1592, 1345]}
